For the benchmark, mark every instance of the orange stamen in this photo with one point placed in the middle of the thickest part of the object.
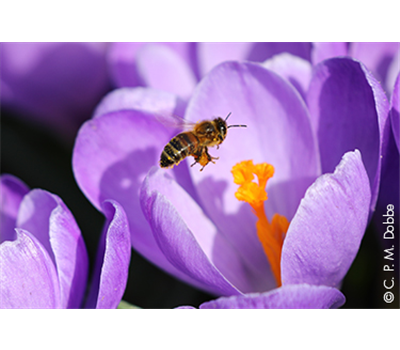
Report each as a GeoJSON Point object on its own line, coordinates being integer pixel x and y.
{"type": "Point", "coordinates": [271, 235]}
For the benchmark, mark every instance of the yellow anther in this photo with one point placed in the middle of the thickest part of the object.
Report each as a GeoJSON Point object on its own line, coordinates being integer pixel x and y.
{"type": "Point", "coordinates": [271, 235]}
{"type": "Point", "coordinates": [251, 193]}
{"type": "Point", "coordinates": [264, 172]}
{"type": "Point", "coordinates": [243, 172]}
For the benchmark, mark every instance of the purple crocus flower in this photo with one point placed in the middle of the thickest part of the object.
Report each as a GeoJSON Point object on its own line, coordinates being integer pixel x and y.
{"type": "Point", "coordinates": [189, 222]}
{"type": "Point", "coordinates": [56, 84]}
{"type": "Point", "coordinates": [30, 254]}
{"type": "Point", "coordinates": [44, 263]}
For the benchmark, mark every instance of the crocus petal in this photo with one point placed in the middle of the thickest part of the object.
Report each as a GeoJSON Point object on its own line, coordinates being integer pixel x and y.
{"type": "Point", "coordinates": [295, 296]}
{"type": "Point", "coordinates": [376, 56]}
{"type": "Point", "coordinates": [28, 279]}
{"type": "Point", "coordinates": [323, 51]}
{"type": "Point", "coordinates": [112, 261]}
{"type": "Point", "coordinates": [112, 156]}
{"type": "Point", "coordinates": [325, 234]}
{"type": "Point", "coordinates": [394, 111]}
{"type": "Point", "coordinates": [144, 99]}
{"type": "Point", "coordinates": [293, 68]}
{"type": "Point", "coordinates": [47, 218]}
{"type": "Point", "coordinates": [348, 110]}
{"type": "Point", "coordinates": [122, 59]}
{"type": "Point", "coordinates": [393, 72]}
{"type": "Point", "coordinates": [160, 67]}
{"type": "Point", "coordinates": [278, 130]}
{"type": "Point", "coordinates": [212, 54]}
{"type": "Point", "coordinates": [168, 110]}
{"type": "Point", "coordinates": [189, 240]}
{"type": "Point", "coordinates": [12, 190]}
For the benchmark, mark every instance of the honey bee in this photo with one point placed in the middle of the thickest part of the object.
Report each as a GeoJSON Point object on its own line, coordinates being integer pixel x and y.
{"type": "Point", "coordinates": [207, 133]}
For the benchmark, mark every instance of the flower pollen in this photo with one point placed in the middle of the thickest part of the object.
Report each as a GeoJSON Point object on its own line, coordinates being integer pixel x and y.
{"type": "Point", "coordinates": [271, 235]}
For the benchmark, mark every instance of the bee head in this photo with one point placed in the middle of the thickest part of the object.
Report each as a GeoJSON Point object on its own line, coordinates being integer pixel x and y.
{"type": "Point", "coordinates": [221, 127]}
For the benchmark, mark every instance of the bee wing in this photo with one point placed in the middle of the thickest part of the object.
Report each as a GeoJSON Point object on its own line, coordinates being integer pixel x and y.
{"type": "Point", "coordinates": [173, 121]}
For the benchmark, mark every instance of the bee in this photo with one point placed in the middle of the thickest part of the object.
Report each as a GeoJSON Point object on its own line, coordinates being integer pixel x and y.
{"type": "Point", "coordinates": [207, 133]}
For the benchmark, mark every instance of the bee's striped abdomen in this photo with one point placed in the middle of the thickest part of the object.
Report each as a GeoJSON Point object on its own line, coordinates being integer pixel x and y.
{"type": "Point", "coordinates": [178, 148]}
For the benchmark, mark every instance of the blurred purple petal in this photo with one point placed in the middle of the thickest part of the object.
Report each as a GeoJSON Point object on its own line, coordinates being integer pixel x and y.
{"type": "Point", "coordinates": [325, 50]}
{"type": "Point", "coordinates": [297, 296]}
{"type": "Point", "coordinates": [122, 59]}
{"type": "Point", "coordinates": [376, 56]}
{"type": "Point", "coordinates": [325, 234]}
{"type": "Point", "coordinates": [12, 190]}
{"type": "Point", "coordinates": [164, 66]}
{"type": "Point", "coordinates": [47, 218]}
{"type": "Point", "coordinates": [213, 53]}
{"type": "Point", "coordinates": [348, 110]}
{"type": "Point", "coordinates": [112, 261]}
{"type": "Point", "coordinates": [160, 67]}
{"type": "Point", "coordinates": [199, 232]}
{"type": "Point", "coordinates": [55, 83]}
{"type": "Point", "coordinates": [293, 68]}
{"type": "Point", "coordinates": [28, 279]}
{"type": "Point", "coordinates": [143, 99]}
{"type": "Point", "coordinates": [263, 51]}
{"type": "Point", "coordinates": [392, 74]}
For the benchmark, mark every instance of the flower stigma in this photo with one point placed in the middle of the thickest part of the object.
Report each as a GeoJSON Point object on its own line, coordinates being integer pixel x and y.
{"type": "Point", "coordinates": [271, 235]}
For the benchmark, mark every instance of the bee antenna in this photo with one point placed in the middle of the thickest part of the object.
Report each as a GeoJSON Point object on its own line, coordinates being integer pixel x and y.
{"type": "Point", "coordinates": [237, 126]}
{"type": "Point", "coordinates": [228, 116]}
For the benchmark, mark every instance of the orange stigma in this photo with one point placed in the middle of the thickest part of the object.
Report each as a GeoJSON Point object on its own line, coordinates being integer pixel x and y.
{"type": "Point", "coordinates": [271, 235]}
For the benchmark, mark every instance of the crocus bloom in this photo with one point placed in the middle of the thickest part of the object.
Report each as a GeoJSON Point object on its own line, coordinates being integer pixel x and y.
{"type": "Point", "coordinates": [309, 259]}
{"type": "Point", "coordinates": [56, 84]}
{"type": "Point", "coordinates": [44, 264]}
{"type": "Point", "coordinates": [28, 262]}
{"type": "Point", "coordinates": [190, 223]}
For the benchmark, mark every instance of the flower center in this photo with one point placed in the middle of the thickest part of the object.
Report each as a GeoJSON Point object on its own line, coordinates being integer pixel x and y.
{"type": "Point", "coordinates": [271, 235]}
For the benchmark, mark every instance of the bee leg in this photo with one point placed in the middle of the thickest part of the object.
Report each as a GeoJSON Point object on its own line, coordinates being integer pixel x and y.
{"type": "Point", "coordinates": [202, 157]}
{"type": "Point", "coordinates": [200, 164]}
{"type": "Point", "coordinates": [209, 157]}
{"type": "Point", "coordinates": [196, 156]}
